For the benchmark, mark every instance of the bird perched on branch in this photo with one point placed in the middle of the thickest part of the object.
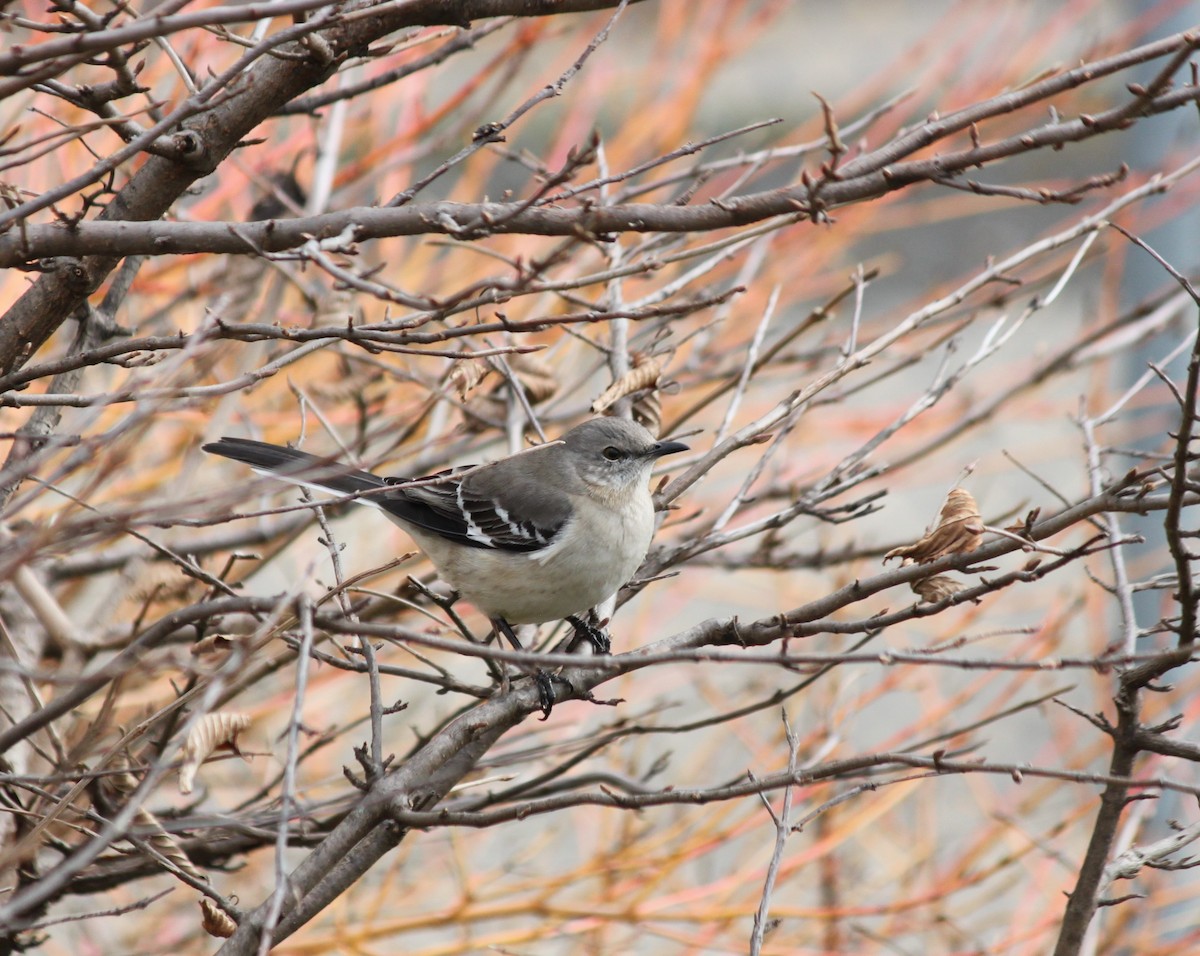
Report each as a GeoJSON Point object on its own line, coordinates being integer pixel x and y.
{"type": "Point", "coordinates": [543, 535]}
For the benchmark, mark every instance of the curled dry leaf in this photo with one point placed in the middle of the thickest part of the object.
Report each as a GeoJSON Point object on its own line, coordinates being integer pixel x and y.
{"type": "Point", "coordinates": [647, 412]}
{"type": "Point", "coordinates": [959, 530]}
{"type": "Point", "coordinates": [211, 731]}
{"type": "Point", "coordinates": [466, 376]}
{"type": "Point", "coordinates": [122, 779]}
{"type": "Point", "coordinates": [213, 644]}
{"type": "Point", "coordinates": [644, 375]}
{"type": "Point", "coordinates": [936, 587]}
{"type": "Point", "coordinates": [165, 843]}
{"type": "Point", "coordinates": [215, 921]}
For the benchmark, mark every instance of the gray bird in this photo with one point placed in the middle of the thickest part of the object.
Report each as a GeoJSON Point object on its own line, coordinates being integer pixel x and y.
{"type": "Point", "coordinates": [544, 535]}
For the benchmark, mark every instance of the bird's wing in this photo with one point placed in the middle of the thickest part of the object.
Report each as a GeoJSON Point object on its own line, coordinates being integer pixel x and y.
{"type": "Point", "coordinates": [484, 508]}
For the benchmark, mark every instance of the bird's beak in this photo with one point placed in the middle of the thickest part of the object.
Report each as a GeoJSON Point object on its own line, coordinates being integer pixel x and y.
{"type": "Point", "coordinates": [658, 449]}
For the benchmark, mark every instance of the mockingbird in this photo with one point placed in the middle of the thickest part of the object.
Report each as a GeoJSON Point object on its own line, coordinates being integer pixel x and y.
{"type": "Point", "coordinates": [544, 535]}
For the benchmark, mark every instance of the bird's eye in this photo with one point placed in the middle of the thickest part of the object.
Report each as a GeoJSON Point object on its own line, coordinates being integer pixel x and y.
{"type": "Point", "coordinates": [612, 453]}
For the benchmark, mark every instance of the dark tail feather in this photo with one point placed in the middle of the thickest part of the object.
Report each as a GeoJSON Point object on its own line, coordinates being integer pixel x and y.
{"type": "Point", "coordinates": [296, 466]}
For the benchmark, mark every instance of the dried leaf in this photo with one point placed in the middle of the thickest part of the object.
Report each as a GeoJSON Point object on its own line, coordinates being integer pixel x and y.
{"type": "Point", "coordinates": [121, 780]}
{"type": "Point", "coordinates": [211, 731]}
{"type": "Point", "coordinates": [215, 921]}
{"type": "Point", "coordinates": [166, 844]}
{"type": "Point", "coordinates": [647, 412]}
{"type": "Point", "coordinates": [936, 587]}
{"type": "Point", "coordinates": [213, 644]}
{"type": "Point", "coordinates": [466, 375]}
{"type": "Point", "coordinates": [645, 374]}
{"type": "Point", "coordinates": [959, 530]}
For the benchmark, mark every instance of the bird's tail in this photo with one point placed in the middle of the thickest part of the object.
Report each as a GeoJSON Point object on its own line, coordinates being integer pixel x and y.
{"type": "Point", "coordinates": [298, 467]}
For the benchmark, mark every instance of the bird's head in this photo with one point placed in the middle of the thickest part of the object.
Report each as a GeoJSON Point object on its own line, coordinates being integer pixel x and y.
{"type": "Point", "coordinates": [613, 453]}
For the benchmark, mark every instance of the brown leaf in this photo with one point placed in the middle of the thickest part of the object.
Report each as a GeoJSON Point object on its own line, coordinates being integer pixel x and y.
{"type": "Point", "coordinates": [644, 374]}
{"type": "Point", "coordinates": [165, 843]}
{"type": "Point", "coordinates": [466, 375]}
{"type": "Point", "coordinates": [936, 587]}
{"type": "Point", "coordinates": [215, 921]}
{"type": "Point", "coordinates": [647, 412]}
{"type": "Point", "coordinates": [212, 644]}
{"type": "Point", "coordinates": [211, 731]}
{"type": "Point", "coordinates": [959, 530]}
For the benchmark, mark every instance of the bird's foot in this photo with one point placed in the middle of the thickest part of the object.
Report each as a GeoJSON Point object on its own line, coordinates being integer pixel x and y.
{"type": "Point", "coordinates": [545, 688]}
{"type": "Point", "coordinates": [592, 633]}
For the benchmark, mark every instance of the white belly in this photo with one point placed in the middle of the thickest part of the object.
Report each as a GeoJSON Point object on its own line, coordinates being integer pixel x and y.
{"type": "Point", "coordinates": [588, 562]}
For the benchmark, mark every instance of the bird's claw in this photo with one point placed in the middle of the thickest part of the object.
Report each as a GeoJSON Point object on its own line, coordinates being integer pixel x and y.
{"type": "Point", "coordinates": [600, 641]}
{"type": "Point", "coordinates": [545, 688]}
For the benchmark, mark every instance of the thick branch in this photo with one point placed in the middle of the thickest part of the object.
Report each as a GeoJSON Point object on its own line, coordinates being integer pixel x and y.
{"type": "Point", "coordinates": [477, 220]}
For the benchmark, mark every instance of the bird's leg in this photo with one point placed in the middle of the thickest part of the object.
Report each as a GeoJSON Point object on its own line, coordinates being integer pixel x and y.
{"type": "Point", "coordinates": [446, 602]}
{"type": "Point", "coordinates": [544, 681]}
{"type": "Point", "coordinates": [591, 630]}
